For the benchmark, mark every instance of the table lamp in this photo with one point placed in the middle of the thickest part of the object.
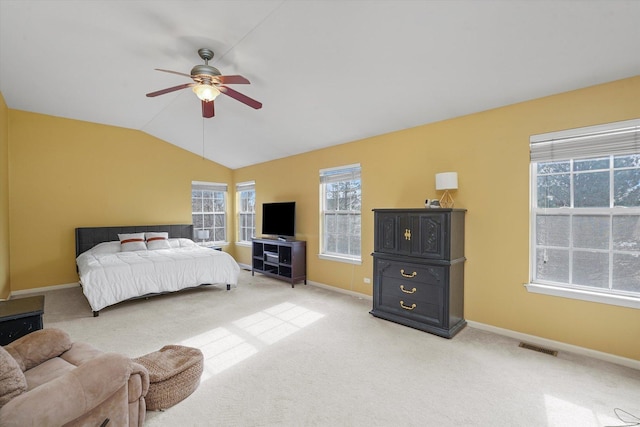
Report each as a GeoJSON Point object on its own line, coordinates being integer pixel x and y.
{"type": "Point", "coordinates": [446, 181]}
{"type": "Point", "coordinates": [202, 235]}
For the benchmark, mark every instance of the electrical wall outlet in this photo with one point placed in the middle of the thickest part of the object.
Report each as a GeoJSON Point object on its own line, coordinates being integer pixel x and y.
{"type": "Point", "coordinates": [367, 280]}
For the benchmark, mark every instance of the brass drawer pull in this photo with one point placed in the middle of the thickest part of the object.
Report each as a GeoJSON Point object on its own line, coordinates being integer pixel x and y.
{"type": "Point", "coordinates": [407, 234]}
{"type": "Point", "coordinates": [406, 291]}
{"type": "Point", "coordinates": [414, 274]}
{"type": "Point", "coordinates": [406, 307]}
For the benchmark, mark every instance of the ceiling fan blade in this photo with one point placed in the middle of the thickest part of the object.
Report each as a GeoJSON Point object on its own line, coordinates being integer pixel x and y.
{"type": "Point", "coordinates": [207, 109]}
{"type": "Point", "coordinates": [173, 72]}
{"type": "Point", "coordinates": [233, 80]}
{"type": "Point", "coordinates": [169, 89]}
{"type": "Point", "coordinates": [240, 97]}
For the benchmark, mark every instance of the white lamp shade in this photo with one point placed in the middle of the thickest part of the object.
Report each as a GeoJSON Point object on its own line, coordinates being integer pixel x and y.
{"type": "Point", "coordinates": [447, 181]}
{"type": "Point", "coordinates": [202, 234]}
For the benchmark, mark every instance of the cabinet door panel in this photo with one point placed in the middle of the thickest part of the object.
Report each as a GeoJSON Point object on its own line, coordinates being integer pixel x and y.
{"type": "Point", "coordinates": [394, 234]}
{"type": "Point", "coordinates": [385, 239]}
{"type": "Point", "coordinates": [429, 236]}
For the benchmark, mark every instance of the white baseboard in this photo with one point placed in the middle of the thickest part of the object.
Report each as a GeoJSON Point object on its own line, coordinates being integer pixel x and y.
{"type": "Point", "coordinates": [531, 339]}
{"type": "Point", "coordinates": [43, 289]}
{"type": "Point", "coordinates": [557, 345]}
{"type": "Point", "coordinates": [340, 290]}
{"type": "Point", "coordinates": [322, 285]}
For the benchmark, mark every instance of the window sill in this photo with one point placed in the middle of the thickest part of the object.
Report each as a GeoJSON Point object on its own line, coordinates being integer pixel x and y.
{"type": "Point", "coordinates": [245, 244]}
{"type": "Point", "coordinates": [602, 298]}
{"type": "Point", "coordinates": [356, 261]}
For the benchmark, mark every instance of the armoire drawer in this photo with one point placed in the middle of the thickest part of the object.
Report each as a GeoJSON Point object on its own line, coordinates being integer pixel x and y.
{"type": "Point", "coordinates": [413, 273]}
{"type": "Point", "coordinates": [419, 301]}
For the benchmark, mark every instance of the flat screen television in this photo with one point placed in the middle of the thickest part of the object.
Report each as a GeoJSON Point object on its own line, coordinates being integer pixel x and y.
{"type": "Point", "coordinates": [279, 219]}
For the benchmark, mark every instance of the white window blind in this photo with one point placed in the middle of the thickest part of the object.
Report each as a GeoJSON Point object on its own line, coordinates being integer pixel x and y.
{"type": "Point", "coordinates": [346, 173]}
{"type": "Point", "coordinates": [246, 186]}
{"type": "Point", "coordinates": [211, 186]}
{"type": "Point", "coordinates": [611, 139]}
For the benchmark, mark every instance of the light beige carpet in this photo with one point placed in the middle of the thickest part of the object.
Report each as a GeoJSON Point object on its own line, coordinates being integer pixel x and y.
{"type": "Point", "coordinates": [277, 356]}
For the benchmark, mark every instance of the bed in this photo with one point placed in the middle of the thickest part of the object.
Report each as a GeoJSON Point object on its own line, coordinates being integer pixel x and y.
{"type": "Point", "coordinates": [115, 266]}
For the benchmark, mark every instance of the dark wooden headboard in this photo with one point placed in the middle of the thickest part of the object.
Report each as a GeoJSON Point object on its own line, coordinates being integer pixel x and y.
{"type": "Point", "coordinates": [88, 237]}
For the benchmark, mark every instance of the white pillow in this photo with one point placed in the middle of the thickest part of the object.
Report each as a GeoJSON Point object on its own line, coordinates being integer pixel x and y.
{"type": "Point", "coordinates": [157, 241]}
{"type": "Point", "coordinates": [132, 242]}
{"type": "Point", "coordinates": [185, 243]}
{"type": "Point", "coordinates": [106, 248]}
{"type": "Point", "coordinates": [180, 242]}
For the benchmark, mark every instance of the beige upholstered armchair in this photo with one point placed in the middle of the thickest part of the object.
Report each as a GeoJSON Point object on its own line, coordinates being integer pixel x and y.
{"type": "Point", "coordinates": [45, 380]}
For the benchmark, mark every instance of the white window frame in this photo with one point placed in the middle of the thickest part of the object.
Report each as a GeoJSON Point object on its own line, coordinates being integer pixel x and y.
{"type": "Point", "coordinates": [216, 188]}
{"type": "Point", "coordinates": [333, 175]}
{"type": "Point", "coordinates": [244, 187]}
{"type": "Point", "coordinates": [582, 143]}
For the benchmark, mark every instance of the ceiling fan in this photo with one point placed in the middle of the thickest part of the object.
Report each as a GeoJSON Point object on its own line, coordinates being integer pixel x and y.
{"type": "Point", "coordinates": [208, 83]}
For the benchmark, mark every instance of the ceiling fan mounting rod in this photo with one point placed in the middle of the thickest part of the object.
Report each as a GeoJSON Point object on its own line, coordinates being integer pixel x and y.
{"type": "Point", "coordinates": [204, 71]}
{"type": "Point", "coordinates": [206, 54]}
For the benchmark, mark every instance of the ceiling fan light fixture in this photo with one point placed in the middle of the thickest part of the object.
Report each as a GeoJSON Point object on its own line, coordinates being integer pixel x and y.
{"type": "Point", "coordinates": [206, 92]}
{"type": "Point", "coordinates": [207, 85]}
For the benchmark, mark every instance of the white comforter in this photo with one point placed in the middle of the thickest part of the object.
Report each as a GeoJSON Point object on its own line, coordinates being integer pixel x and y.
{"type": "Point", "coordinates": [109, 276]}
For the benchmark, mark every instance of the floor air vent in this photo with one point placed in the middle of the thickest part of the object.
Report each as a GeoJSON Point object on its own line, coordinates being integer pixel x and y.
{"type": "Point", "coordinates": [538, 349]}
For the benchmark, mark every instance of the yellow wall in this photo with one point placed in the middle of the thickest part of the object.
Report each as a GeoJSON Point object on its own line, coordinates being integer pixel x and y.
{"type": "Point", "coordinates": [66, 174]}
{"type": "Point", "coordinates": [5, 286]}
{"type": "Point", "coordinates": [490, 152]}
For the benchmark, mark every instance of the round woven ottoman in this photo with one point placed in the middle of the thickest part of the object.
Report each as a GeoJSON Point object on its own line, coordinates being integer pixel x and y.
{"type": "Point", "coordinates": [174, 373]}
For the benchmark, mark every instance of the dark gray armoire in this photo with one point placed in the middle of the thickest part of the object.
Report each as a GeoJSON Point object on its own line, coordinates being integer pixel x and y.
{"type": "Point", "coordinates": [418, 268]}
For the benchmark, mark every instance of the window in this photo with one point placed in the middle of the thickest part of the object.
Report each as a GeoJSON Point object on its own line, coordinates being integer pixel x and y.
{"type": "Point", "coordinates": [341, 204]}
{"type": "Point", "coordinates": [246, 208]}
{"type": "Point", "coordinates": [208, 207]}
{"type": "Point", "coordinates": [585, 214]}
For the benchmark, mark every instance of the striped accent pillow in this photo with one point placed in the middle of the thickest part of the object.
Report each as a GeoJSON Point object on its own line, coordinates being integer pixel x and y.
{"type": "Point", "coordinates": [157, 240]}
{"type": "Point", "coordinates": [132, 242]}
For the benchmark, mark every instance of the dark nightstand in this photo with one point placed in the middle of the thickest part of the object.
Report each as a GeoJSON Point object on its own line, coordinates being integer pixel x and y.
{"type": "Point", "coordinates": [20, 316]}
{"type": "Point", "coordinates": [210, 246]}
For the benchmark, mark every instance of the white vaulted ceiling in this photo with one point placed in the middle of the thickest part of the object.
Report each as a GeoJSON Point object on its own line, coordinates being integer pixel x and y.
{"type": "Point", "coordinates": [327, 72]}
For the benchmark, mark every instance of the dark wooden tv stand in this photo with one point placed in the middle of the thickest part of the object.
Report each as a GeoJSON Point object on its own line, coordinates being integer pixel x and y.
{"type": "Point", "coordinates": [281, 259]}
